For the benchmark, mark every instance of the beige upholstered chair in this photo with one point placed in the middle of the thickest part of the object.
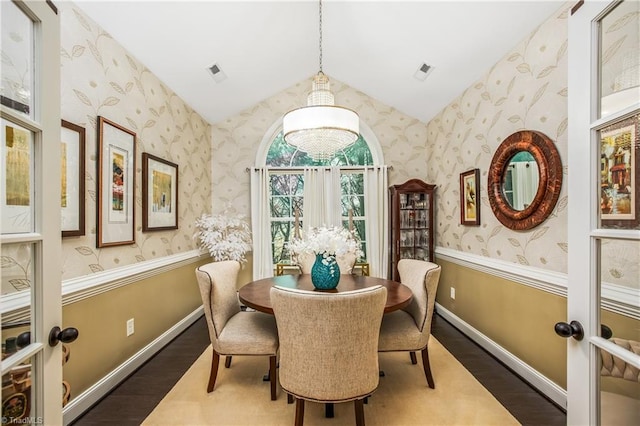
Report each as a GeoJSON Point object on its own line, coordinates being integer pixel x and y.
{"type": "Point", "coordinates": [345, 262]}
{"type": "Point", "coordinates": [328, 345]}
{"type": "Point", "coordinates": [409, 329]}
{"type": "Point", "coordinates": [232, 331]}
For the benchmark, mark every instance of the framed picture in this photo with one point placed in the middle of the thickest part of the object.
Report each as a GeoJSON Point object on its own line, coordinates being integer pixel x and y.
{"type": "Point", "coordinates": [17, 210]}
{"type": "Point", "coordinates": [116, 184]}
{"type": "Point", "coordinates": [620, 174]}
{"type": "Point", "coordinates": [159, 194]}
{"type": "Point", "coordinates": [72, 144]}
{"type": "Point", "coordinates": [469, 191]}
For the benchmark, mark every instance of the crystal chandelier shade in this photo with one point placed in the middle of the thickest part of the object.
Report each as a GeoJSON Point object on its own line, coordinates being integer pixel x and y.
{"type": "Point", "coordinates": [321, 128]}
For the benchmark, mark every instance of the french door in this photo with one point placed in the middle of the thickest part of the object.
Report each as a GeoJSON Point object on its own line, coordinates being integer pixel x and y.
{"type": "Point", "coordinates": [603, 301]}
{"type": "Point", "coordinates": [30, 236]}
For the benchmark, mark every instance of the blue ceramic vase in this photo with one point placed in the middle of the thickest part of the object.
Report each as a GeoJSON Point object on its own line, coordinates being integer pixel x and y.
{"type": "Point", "coordinates": [325, 273]}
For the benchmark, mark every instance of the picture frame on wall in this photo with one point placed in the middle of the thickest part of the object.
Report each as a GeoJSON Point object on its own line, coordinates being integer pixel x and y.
{"type": "Point", "coordinates": [116, 184]}
{"type": "Point", "coordinates": [159, 194]}
{"type": "Point", "coordinates": [469, 193]}
{"type": "Point", "coordinates": [72, 178]}
{"type": "Point", "coordinates": [17, 211]}
{"type": "Point", "coordinates": [620, 174]}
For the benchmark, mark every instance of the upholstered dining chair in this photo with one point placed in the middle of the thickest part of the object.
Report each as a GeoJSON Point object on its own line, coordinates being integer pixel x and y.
{"type": "Point", "coordinates": [346, 262]}
{"type": "Point", "coordinates": [328, 345]}
{"type": "Point", "coordinates": [409, 329]}
{"type": "Point", "coordinates": [233, 331]}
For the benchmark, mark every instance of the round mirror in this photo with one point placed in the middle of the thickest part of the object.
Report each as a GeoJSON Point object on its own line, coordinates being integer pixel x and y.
{"type": "Point", "coordinates": [520, 180]}
{"type": "Point", "coordinates": [525, 178]}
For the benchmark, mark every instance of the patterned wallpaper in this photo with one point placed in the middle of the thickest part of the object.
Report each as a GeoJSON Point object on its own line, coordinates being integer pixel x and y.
{"type": "Point", "coordinates": [527, 89]}
{"type": "Point", "coordinates": [236, 140]}
{"type": "Point", "coordinates": [99, 77]}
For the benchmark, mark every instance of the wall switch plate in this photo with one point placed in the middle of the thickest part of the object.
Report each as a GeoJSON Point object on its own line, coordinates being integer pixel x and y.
{"type": "Point", "coordinates": [130, 327]}
{"type": "Point", "coordinates": [453, 293]}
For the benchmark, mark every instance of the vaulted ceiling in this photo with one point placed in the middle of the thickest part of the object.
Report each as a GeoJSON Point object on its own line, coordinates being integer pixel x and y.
{"type": "Point", "coordinates": [264, 47]}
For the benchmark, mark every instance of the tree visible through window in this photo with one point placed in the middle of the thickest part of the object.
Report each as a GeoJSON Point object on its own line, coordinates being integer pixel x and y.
{"type": "Point", "coordinates": [287, 189]}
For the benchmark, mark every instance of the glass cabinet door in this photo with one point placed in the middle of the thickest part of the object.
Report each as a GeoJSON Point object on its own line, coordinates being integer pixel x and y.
{"type": "Point", "coordinates": [411, 223]}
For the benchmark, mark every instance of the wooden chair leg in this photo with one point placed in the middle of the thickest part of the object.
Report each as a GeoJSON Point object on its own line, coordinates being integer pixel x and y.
{"type": "Point", "coordinates": [227, 361]}
{"type": "Point", "coordinates": [328, 410]}
{"type": "Point", "coordinates": [289, 398]}
{"type": "Point", "coordinates": [272, 376]}
{"type": "Point", "coordinates": [299, 412]}
{"type": "Point", "coordinates": [427, 368]}
{"type": "Point", "coordinates": [359, 412]}
{"type": "Point", "coordinates": [215, 360]}
{"type": "Point", "coordinates": [414, 360]}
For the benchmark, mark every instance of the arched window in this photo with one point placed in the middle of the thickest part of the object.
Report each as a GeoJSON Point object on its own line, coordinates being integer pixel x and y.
{"type": "Point", "coordinates": [286, 170]}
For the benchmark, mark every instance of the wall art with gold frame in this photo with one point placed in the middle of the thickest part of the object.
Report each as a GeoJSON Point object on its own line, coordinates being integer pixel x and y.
{"type": "Point", "coordinates": [620, 174]}
{"type": "Point", "coordinates": [469, 193]}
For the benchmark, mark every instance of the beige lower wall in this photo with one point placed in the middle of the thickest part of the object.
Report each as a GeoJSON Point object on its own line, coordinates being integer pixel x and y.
{"type": "Point", "coordinates": [517, 317]}
{"type": "Point", "coordinates": [521, 319]}
{"type": "Point", "coordinates": [155, 303]}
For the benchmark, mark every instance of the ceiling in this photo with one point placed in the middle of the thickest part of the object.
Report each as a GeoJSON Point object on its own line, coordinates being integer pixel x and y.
{"type": "Point", "coordinates": [264, 47]}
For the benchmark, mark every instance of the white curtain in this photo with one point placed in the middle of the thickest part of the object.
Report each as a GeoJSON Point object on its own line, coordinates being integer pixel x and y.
{"type": "Point", "coordinates": [261, 224]}
{"type": "Point", "coordinates": [525, 183]}
{"type": "Point", "coordinates": [322, 204]}
{"type": "Point", "coordinates": [377, 214]}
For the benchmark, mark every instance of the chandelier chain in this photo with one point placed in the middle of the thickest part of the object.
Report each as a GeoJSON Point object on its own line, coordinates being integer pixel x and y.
{"type": "Point", "coordinates": [320, 38]}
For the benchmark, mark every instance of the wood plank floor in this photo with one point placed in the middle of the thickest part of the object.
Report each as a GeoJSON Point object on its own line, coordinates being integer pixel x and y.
{"type": "Point", "coordinates": [132, 401]}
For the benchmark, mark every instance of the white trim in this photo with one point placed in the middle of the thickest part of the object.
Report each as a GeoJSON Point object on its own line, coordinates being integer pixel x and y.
{"type": "Point", "coordinates": [547, 387]}
{"type": "Point", "coordinates": [76, 289]}
{"type": "Point", "coordinates": [549, 281]}
{"type": "Point", "coordinates": [615, 298]}
{"type": "Point", "coordinates": [86, 399]}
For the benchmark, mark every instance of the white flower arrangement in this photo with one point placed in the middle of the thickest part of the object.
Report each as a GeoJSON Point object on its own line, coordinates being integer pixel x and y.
{"type": "Point", "coordinates": [329, 241]}
{"type": "Point", "coordinates": [224, 236]}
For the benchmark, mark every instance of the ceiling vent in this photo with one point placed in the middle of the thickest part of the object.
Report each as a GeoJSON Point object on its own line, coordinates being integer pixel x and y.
{"type": "Point", "coordinates": [217, 73]}
{"type": "Point", "coordinates": [423, 71]}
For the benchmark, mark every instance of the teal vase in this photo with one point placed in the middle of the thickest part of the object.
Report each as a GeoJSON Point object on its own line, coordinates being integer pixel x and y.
{"type": "Point", "coordinates": [325, 273]}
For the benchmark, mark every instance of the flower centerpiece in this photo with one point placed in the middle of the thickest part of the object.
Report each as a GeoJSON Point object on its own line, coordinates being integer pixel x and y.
{"type": "Point", "coordinates": [224, 236]}
{"type": "Point", "coordinates": [326, 243]}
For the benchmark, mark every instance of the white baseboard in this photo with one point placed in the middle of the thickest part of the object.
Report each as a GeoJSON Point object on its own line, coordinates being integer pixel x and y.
{"type": "Point", "coordinates": [545, 386]}
{"type": "Point", "coordinates": [86, 399]}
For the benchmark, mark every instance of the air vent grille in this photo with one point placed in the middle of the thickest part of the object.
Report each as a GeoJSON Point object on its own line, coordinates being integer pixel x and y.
{"type": "Point", "coordinates": [423, 71]}
{"type": "Point", "coordinates": [217, 73]}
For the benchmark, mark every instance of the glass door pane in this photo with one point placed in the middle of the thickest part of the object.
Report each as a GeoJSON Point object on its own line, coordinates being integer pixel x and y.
{"type": "Point", "coordinates": [16, 89]}
{"type": "Point", "coordinates": [619, 58]}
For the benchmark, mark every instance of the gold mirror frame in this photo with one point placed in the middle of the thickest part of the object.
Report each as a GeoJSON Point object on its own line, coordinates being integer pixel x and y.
{"type": "Point", "coordinates": [547, 157]}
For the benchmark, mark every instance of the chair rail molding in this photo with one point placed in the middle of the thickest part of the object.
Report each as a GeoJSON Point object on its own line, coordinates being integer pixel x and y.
{"type": "Point", "coordinates": [615, 298]}
{"type": "Point", "coordinates": [16, 306]}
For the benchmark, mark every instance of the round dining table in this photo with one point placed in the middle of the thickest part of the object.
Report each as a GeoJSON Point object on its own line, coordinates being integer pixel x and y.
{"type": "Point", "coordinates": [256, 294]}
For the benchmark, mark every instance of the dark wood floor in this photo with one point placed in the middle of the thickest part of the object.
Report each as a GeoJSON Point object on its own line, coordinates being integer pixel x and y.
{"type": "Point", "coordinates": [132, 401]}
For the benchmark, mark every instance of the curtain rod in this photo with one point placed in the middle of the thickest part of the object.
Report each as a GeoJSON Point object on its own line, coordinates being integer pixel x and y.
{"type": "Point", "coordinates": [301, 169]}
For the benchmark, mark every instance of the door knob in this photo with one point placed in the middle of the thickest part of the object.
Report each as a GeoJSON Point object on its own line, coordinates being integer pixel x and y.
{"type": "Point", "coordinates": [605, 332]}
{"type": "Point", "coordinates": [67, 335]}
{"type": "Point", "coordinates": [574, 329]}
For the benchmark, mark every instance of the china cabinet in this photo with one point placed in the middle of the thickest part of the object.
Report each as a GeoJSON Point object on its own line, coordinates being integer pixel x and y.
{"type": "Point", "coordinates": [411, 230]}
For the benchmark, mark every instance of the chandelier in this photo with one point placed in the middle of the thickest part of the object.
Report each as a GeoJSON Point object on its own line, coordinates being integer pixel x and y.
{"type": "Point", "coordinates": [320, 129]}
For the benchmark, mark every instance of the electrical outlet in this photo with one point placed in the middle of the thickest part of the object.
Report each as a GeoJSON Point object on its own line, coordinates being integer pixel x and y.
{"type": "Point", "coordinates": [453, 293]}
{"type": "Point", "coordinates": [130, 327]}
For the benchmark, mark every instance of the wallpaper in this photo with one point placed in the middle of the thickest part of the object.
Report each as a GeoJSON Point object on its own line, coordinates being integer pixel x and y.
{"type": "Point", "coordinates": [527, 89]}
{"type": "Point", "coordinates": [236, 140]}
{"type": "Point", "coordinates": [100, 78]}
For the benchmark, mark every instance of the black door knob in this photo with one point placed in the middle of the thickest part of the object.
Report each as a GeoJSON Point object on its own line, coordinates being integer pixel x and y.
{"type": "Point", "coordinates": [23, 339]}
{"type": "Point", "coordinates": [574, 329]}
{"type": "Point", "coordinates": [605, 332]}
{"type": "Point", "coordinates": [67, 335]}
